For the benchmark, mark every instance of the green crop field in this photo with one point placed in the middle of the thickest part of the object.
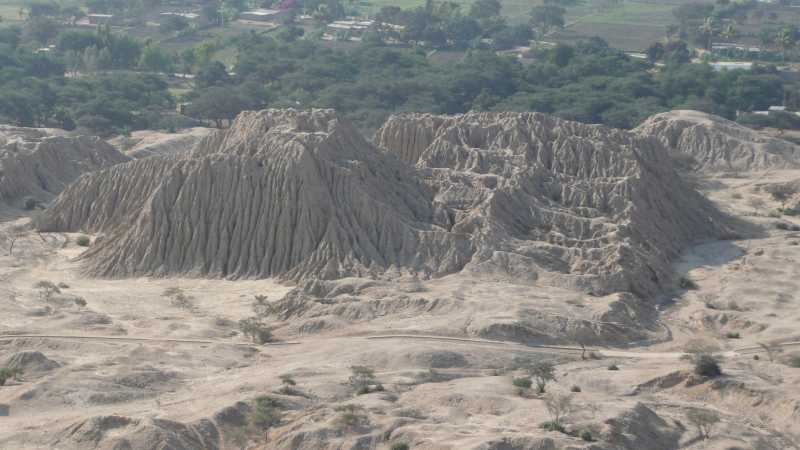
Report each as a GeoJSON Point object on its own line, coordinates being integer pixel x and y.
{"type": "Point", "coordinates": [633, 13]}
{"type": "Point", "coordinates": [515, 10]}
{"type": "Point", "coordinates": [9, 10]}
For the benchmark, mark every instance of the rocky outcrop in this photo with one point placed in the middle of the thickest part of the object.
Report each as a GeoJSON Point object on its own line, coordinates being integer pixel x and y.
{"type": "Point", "coordinates": [641, 427]}
{"type": "Point", "coordinates": [715, 144]}
{"type": "Point", "coordinates": [300, 194]}
{"type": "Point", "coordinates": [31, 362]}
{"type": "Point", "coordinates": [282, 192]}
{"type": "Point", "coordinates": [558, 201]}
{"type": "Point", "coordinates": [40, 163]}
{"type": "Point", "coordinates": [120, 432]}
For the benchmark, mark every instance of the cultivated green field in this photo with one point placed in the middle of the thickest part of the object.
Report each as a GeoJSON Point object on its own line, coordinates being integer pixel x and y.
{"type": "Point", "coordinates": [635, 13]}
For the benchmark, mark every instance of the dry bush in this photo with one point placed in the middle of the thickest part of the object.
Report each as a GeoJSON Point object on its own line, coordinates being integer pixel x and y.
{"type": "Point", "coordinates": [704, 420]}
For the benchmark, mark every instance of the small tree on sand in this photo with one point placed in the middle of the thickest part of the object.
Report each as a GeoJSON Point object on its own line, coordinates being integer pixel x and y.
{"type": "Point", "coordinates": [704, 420]}
{"type": "Point", "coordinates": [262, 307]}
{"type": "Point", "coordinates": [361, 378]}
{"type": "Point", "coordinates": [11, 235]}
{"type": "Point", "coordinates": [542, 372]}
{"type": "Point", "coordinates": [46, 289]}
{"type": "Point", "coordinates": [558, 407]}
{"type": "Point", "coordinates": [266, 414]}
{"type": "Point", "coordinates": [706, 365]}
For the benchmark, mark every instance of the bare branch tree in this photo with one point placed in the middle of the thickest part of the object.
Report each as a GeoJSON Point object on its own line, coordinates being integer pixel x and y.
{"type": "Point", "coordinates": [772, 350]}
{"type": "Point", "coordinates": [558, 406]}
{"type": "Point", "coordinates": [12, 235]}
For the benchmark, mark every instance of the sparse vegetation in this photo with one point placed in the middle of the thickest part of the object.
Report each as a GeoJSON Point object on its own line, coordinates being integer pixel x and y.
{"type": "Point", "coordinates": [706, 365]}
{"type": "Point", "coordinates": [256, 330]}
{"type": "Point", "coordinates": [11, 235]}
{"type": "Point", "coordinates": [261, 306]}
{"type": "Point", "coordinates": [542, 372]}
{"type": "Point", "coordinates": [266, 413]}
{"type": "Point", "coordinates": [771, 349]}
{"type": "Point", "coordinates": [687, 284]}
{"type": "Point", "coordinates": [558, 407]}
{"type": "Point", "coordinates": [522, 384]}
{"type": "Point", "coordinates": [178, 298]}
{"type": "Point", "coordinates": [47, 289]}
{"type": "Point", "coordinates": [7, 373]}
{"type": "Point", "coordinates": [287, 380]}
{"type": "Point", "coordinates": [362, 380]}
{"type": "Point", "coordinates": [29, 204]}
{"type": "Point", "coordinates": [351, 417]}
{"type": "Point", "coordinates": [704, 420]}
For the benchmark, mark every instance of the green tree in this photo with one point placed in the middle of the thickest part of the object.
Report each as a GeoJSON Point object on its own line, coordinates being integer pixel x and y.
{"type": "Point", "coordinates": [481, 9]}
{"type": "Point", "coordinates": [154, 59]}
{"type": "Point", "coordinates": [547, 18]}
{"type": "Point", "coordinates": [266, 413]}
{"type": "Point", "coordinates": [542, 372]}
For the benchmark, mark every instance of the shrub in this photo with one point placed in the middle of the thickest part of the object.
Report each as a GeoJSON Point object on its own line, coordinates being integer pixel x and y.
{"type": "Point", "coordinates": [400, 446]}
{"type": "Point", "coordinates": [80, 301]}
{"type": "Point", "coordinates": [552, 426]}
{"type": "Point", "coordinates": [7, 373]}
{"type": "Point", "coordinates": [288, 380]}
{"type": "Point", "coordinates": [586, 435]}
{"type": "Point", "coordinates": [613, 367]}
{"type": "Point", "coordinates": [361, 378]}
{"type": "Point", "coordinates": [351, 416]}
{"type": "Point", "coordinates": [29, 204]}
{"type": "Point", "coordinates": [687, 284]}
{"type": "Point", "coordinates": [794, 361]}
{"type": "Point", "coordinates": [254, 328]}
{"type": "Point", "coordinates": [46, 289]}
{"type": "Point", "coordinates": [707, 366]}
{"type": "Point", "coordinates": [575, 389]}
{"type": "Point", "coordinates": [83, 241]}
{"type": "Point", "coordinates": [733, 335]}
{"type": "Point", "coordinates": [523, 383]}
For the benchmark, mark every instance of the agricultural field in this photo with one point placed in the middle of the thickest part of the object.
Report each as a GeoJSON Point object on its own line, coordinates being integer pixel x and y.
{"type": "Point", "coordinates": [10, 11]}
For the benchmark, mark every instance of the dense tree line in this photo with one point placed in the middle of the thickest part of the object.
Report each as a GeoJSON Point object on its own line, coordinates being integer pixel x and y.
{"type": "Point", "coordinates": [588, 82]}
{"type": "Point", "coordinates": [34, 90]}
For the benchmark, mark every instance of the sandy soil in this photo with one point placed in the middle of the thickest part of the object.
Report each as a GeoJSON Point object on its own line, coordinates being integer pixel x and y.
{"type": "Point", "coordinates": [438, 393]}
